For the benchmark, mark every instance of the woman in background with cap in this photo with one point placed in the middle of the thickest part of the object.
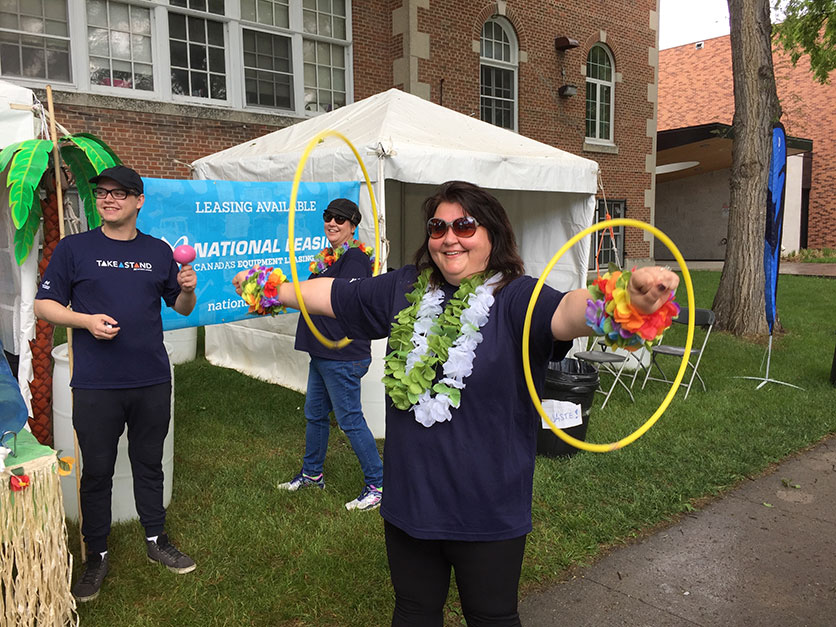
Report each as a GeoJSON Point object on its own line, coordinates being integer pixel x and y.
{"type": "Point", "coordinates": [334, 374]}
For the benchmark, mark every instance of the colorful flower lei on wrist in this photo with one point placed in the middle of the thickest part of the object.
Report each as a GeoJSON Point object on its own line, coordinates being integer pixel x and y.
{"type": "Point", "coordinates": [611, 315]}
{"type": "Point", "coordinates": [260, 290]}
{"type": "Point", "coordinates": [327, 257]}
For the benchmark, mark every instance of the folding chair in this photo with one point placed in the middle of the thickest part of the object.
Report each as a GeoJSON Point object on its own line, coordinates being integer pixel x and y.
{"type": "Point", "coordinates": [609, 362]}
{"type": "Point", "coordinates": [703, 319]}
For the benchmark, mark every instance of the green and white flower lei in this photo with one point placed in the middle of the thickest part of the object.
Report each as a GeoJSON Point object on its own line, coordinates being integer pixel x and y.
{"type": "Point", "coordinates": [424, 334]}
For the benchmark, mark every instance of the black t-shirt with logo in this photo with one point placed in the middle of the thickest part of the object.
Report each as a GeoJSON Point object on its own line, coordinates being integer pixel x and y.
{"type": "Point", "coordinates": [125, 280]}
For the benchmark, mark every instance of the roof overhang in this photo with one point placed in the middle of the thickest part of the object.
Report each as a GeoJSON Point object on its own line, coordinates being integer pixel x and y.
{"type": "Point", "coordinates": [710, 145]}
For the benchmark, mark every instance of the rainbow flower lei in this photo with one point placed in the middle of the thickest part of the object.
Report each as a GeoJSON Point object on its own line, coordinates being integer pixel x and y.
{"type": "Point", "coordinates": [327, 257]}
{"type": "Point", "coordinates": [260, 290]}
{"type": "Point", "coordinates": [610, 314]}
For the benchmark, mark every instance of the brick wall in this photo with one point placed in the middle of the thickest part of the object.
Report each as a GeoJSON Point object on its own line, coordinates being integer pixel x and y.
{"type": "Point", "coordinates": [697, 87]}
{"type": "Point", "coordinates": [155, 145]}
{"type": "Point", "coordinates": [453, 70]}
{"type": "Point", "coordinates": [154, 141]}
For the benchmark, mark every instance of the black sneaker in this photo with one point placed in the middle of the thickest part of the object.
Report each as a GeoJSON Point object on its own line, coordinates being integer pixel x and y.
{"type": "Point", "coordinates": [166, 553]}
{"type": "Point", "coordinates": [87, 588]}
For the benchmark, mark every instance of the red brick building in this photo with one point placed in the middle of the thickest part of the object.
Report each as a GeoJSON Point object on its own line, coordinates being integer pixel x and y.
{"type": "Point", "coordinates": [165, 82]}
{"type": "Point", "coordinates": [696, 90]}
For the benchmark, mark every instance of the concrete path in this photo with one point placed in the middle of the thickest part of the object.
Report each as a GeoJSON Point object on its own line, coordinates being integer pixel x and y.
{"type": "Point", "coordinates": [764, 556]}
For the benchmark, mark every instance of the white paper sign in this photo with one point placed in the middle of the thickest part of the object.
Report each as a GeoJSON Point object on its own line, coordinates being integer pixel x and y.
{"type": "Point", "coordinates": [563, 414]}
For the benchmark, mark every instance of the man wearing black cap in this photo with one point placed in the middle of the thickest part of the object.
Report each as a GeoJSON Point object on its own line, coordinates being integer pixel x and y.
{"type": "Point", "coordinates": [113, 277]}
{"type": "Point", "coordinates": [334, 375]}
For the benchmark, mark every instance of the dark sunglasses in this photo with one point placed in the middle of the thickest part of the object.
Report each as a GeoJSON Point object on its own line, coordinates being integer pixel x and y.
{"type": "Point", "coordinates": [462, 227]}
{"type": "Point", "coordinates": [328, 216]}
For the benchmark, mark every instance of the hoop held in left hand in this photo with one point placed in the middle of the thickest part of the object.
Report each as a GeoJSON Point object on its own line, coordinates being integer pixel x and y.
{"type": "Point", "coordinates": [291, 219]}
{"type": "Point", "coordinates": [612, 446]}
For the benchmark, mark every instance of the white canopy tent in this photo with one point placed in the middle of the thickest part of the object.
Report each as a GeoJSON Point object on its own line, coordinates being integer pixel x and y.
{"type": "Point", "coordinates": [18, 284]}
{"type": "Point", "coordinates": [408, 146]}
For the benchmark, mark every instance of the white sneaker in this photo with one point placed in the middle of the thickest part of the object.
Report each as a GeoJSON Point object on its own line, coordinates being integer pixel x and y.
{"type": "Point", "coordinates": [369, 499]}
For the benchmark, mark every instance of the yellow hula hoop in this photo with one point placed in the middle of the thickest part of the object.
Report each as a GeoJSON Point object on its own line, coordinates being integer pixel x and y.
{"type": "Point", "coordinates": [612, 446]}
{"type": "Point", "coordinates": [291, 219]}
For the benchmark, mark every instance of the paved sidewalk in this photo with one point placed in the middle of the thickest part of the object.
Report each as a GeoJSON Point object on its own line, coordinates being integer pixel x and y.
{"type": "Point", "coordinates": [765, 556]}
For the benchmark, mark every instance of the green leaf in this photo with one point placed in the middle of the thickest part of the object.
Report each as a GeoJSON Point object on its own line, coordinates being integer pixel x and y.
{"type": "Point", "coordinates": [6, 154]}
{"type": "Point", "coordinates": [82, 171]}
{"type": "Point", "coordinates": [96, 140]}
{"type": "Point", "coordinates": [99, 157]}
{"type": "Point", "coordinates": [24, 239]}
{"type": "Point", "coordinates": [17, 472]}
{"type": "Point", "coordinates": [28, 166]}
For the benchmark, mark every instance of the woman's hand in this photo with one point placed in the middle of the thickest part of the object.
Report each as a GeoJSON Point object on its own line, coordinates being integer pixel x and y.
{"type": "Point", "coordinates": [651, 287]}
{"type": "Point", "coordinates": [238, 281]}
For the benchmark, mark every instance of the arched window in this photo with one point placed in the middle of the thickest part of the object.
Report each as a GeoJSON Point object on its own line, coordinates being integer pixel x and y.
{"type": "Point", "coordinates": [498, 66]}
{"type": "Point", "coordinates": [600, 88]}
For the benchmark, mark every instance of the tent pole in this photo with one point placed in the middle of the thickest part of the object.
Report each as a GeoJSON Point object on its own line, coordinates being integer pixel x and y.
{"type": "Point", "coordinates": [381, 208]}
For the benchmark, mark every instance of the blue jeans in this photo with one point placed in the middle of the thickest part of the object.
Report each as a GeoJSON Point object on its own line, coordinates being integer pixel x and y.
{"type": "Point", "coordinates": [336, 385]}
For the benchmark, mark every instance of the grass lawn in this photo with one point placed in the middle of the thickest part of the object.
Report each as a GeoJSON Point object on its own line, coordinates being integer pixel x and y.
{"type": "Point", "coordinates": [271, 558]}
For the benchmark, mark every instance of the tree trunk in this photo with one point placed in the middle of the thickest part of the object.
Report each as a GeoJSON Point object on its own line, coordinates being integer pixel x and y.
{"type": "Point", "coordinates": [739, 302]}
{"type": "Point", "coordinates": [41, 385]}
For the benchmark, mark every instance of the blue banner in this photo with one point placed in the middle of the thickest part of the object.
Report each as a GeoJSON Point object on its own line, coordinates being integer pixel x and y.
{"type": "Point", "coordinates": [234, 226]}
{"type": "Point", "coordinates": [774, 220]}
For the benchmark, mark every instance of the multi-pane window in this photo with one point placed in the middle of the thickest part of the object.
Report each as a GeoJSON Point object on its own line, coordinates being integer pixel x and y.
{"type": "Point", "coordinates": [608, 245]}
{"type": "Point", "coordinates": [325, 85]}
{"type": "Point", "coordinates": [119, 45]}
{"type": "Point", "coordinates": [35, 39]}
{"type": "Point", "coordinates": [324, 17]}
{"type": "Point", "coordinates": [198, 60]}
{"type": "Point", "coordinates": [498, 73]}
{"type": "Point", "coordinates": [600, 85]}
{"type": "Point", "coordinates": [290, 55]}
{"type": "Point", "coordinates": [268, 72]}
{"type": "Point", "coordinates": [269, 12]}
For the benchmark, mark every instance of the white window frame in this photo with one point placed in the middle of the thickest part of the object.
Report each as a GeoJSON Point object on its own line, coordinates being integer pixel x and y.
{"type": "Point", "coordinates": [597, 139]}
{"type": "Point", "coordinates": [234, 57]}
{"type": "Point", "coordinates": [512, 65]}
{"type": "Point", "coordinates": [44, 82]}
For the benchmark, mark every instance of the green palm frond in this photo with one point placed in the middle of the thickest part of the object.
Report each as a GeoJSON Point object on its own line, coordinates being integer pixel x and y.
{"type": "Point", "coordinates": [116, 160]}
{"type": "Point", "coordinates": [24, 238]}
{"type": "Point", "coordinates": [98, 154]}
{"type": "Point", "coordinates": [82, 171]}
{"type": "Point", "coordinates": [28, 166]}
{"type": "Point", "coordinates": [6, 154]}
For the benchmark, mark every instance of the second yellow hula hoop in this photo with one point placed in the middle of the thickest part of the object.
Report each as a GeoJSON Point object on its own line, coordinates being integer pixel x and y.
{"type": "Point", "coordinates": [686, 276]}
{"type": "Point", "coordinates": [291, 219]}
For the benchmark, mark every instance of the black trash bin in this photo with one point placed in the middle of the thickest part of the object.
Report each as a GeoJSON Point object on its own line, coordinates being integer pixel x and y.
{"type": "Point", "coordinates": [573, 381]}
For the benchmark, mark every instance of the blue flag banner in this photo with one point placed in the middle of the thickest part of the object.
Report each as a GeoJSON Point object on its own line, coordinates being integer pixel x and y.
{"type": "Point", "coordinates": [234, 226]}
{"type": "Point", "coordinates": [774, 220]}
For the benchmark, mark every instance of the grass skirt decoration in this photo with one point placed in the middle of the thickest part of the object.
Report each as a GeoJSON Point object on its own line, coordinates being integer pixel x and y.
{"type": "Point", "coordinates": [35, 563]}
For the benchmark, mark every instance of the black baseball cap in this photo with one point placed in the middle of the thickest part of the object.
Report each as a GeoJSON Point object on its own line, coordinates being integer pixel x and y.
{"type": "Point", "coordinates": [123, 175]}
{"type": "Point", "coordinates": [345, 208]}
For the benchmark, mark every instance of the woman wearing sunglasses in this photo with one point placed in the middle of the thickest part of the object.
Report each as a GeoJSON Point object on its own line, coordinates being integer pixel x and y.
{"type": "Point", "coordinates": [334, 375]}
{"type": "Point", "coordinates": [461, 429]}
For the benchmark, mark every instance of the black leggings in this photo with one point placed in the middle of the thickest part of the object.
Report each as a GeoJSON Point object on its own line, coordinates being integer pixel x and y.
{"type": "Point", "coordinates": [487, 576]}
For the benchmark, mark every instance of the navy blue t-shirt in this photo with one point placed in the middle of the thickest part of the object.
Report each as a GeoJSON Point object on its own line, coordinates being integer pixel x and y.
{"type": "Point", "coordinates": [352, 264]}
{"type": "Point", "coordinates": [125, 280]}
{"type": "Point", "coordinates": [469, 478]}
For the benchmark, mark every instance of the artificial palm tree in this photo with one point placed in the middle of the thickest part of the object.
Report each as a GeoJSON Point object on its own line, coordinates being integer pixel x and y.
{"type": "Point", "coordinates": [28, 163]}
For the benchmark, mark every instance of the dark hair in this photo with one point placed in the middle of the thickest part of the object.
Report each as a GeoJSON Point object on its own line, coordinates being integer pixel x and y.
{"type": "Point", "coordinates": [489, 212]}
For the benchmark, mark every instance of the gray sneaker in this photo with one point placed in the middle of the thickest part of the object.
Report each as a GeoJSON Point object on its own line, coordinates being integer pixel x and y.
{"type": "Point", "coordinates": [303, 481]}
{"type": "Point", "coordinates": [166, 553]}
{"type": "Point", "coordinates": [87, 588]}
